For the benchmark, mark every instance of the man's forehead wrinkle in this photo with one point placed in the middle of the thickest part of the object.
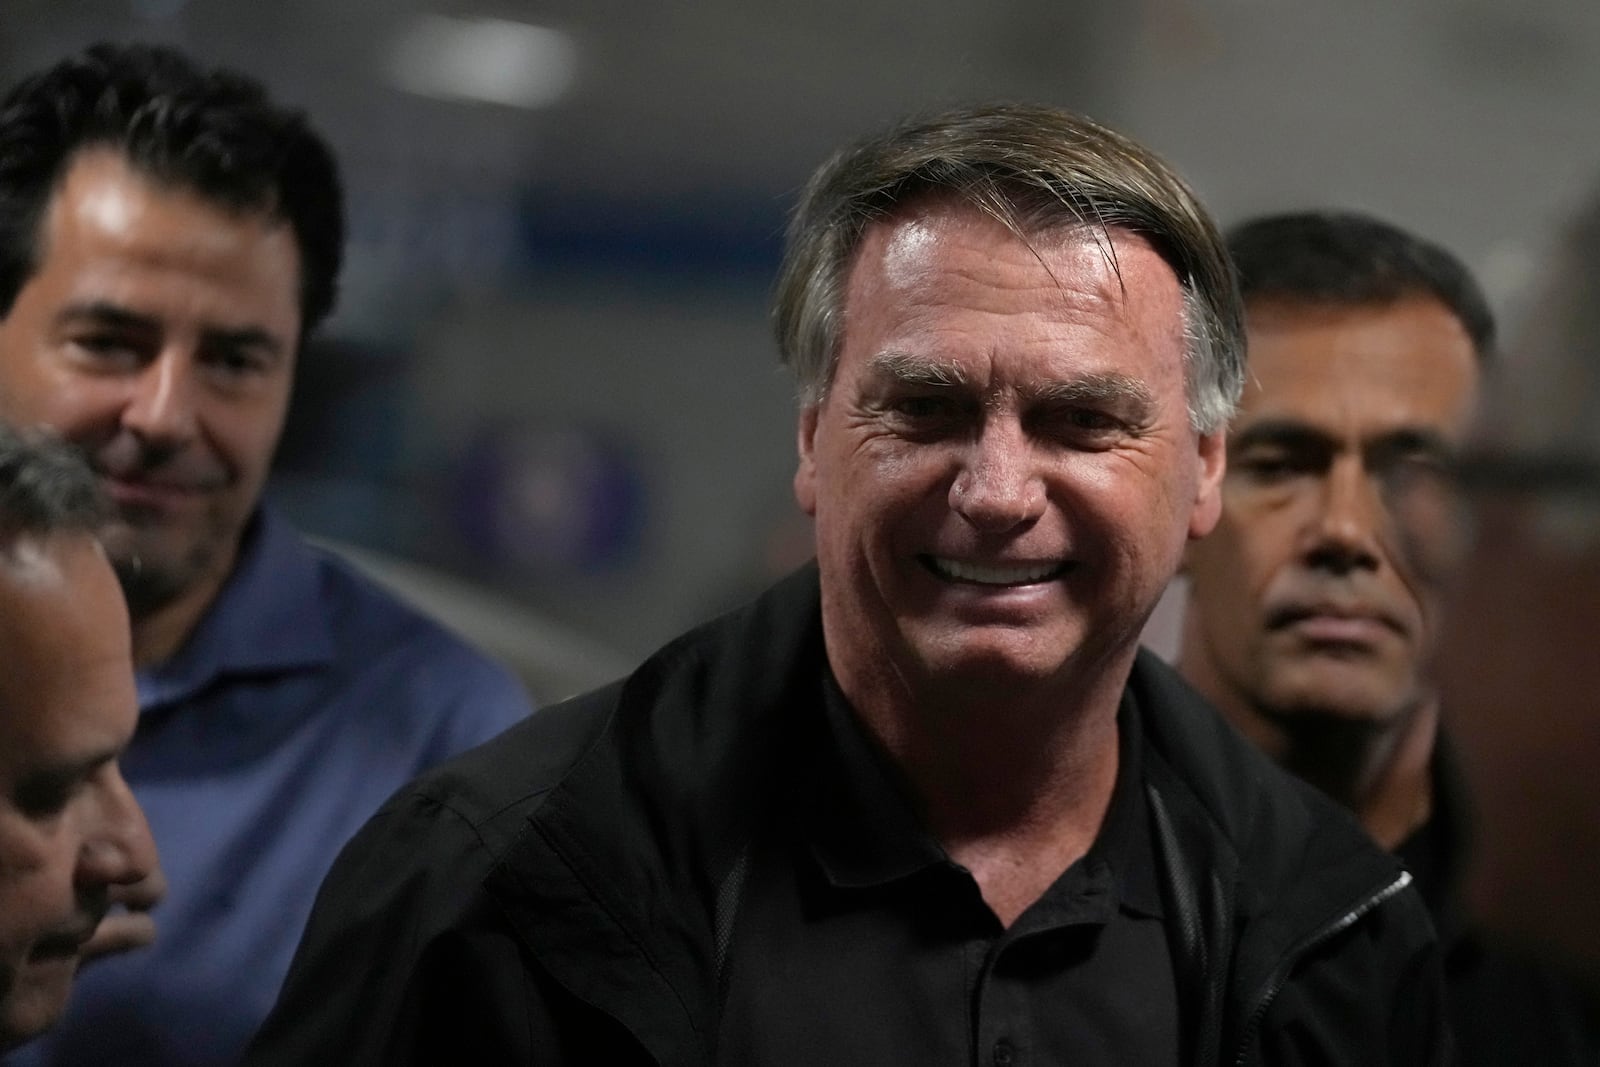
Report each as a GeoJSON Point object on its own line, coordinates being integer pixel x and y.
{"type": "Point", "coordinates": [905, 256]}
{"type": "Point", "coordinates": [906, 251]}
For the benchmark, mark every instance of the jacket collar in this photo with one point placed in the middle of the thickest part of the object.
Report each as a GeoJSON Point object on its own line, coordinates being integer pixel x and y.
{"type": "Point", "coordinates": [1255, 863]}
{"type": "Point", "coordinates": [1302, 850]}
{"type": "Point", "coordinates": [626, 856]}
{"type": "Point", "coordinates": [625, 859]}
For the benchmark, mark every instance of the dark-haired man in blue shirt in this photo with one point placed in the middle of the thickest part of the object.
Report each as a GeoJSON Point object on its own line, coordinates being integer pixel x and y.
{"type": "Point", "coordinates": [168, 237]}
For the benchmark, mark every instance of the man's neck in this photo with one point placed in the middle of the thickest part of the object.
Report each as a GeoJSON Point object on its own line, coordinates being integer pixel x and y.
{"type": "Point", "coordinates": [160, 631]}
{"type": "Point", "coordinates": [1015, 789]}
{"type": "Point", "coordinates": [1380, 771]}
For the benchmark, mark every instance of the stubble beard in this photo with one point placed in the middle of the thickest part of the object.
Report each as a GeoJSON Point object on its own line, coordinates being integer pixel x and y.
{"type": "Point", "coordinates": [153, 576]}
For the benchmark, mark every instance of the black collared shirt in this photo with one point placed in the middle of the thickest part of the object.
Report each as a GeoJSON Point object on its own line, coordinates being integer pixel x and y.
{"type": "Point", "coordinates": [859, 941]}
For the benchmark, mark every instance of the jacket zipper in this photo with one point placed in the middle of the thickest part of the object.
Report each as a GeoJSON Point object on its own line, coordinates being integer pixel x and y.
{"type": "Point", "coordinates": [1280, 975]}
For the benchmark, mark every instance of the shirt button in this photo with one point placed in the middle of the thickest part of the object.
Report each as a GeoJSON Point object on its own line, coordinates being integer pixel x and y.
{"type": "Point", "coordinates": [1004, 1054]}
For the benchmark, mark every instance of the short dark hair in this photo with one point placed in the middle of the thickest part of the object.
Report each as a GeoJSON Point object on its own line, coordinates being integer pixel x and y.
{"type": "Point", "coordinates": [46, 487]}
{"type": "Point", "coordinates": [1348, 259]}
{"type": "Point", "coordinates": [1032, 168]}
{"type": "Point", "coordinates": [215, 133]}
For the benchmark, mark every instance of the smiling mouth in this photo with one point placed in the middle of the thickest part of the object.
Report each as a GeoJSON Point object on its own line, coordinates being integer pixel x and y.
{"type": "Point", "coordinates": [994, 574]}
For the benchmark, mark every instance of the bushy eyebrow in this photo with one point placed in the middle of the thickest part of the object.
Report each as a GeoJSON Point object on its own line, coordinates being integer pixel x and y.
{"type": "Point", "coordinates": [1119, 389]}
{"type": "Point", "coordinates": [1286, 433]}
{"type": "Point", "coordinates": [104, 313]}
{"type": "Point", "coordinates": [915, 370]}
{"type": "Point", "coordinates": [1283, 433]}
{"type": "Point", "coordinates": [1091, 388]}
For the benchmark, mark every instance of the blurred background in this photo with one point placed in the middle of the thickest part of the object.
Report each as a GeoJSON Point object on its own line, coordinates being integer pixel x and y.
{"type": "Point", "coordinates": [549, 404]}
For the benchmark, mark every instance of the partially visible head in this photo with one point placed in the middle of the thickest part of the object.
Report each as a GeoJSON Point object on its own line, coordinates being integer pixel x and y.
{"type": "Point", "coordinates": [168, 236]}
{"type": "Point", "coordinates": [1342, 259]}
{"type": "Point", "coordinates": [69, 827]}
{"type": "Point", "coordinates": [1518, 668]}
{"type": "Point", "coordinates": [1015, 333]}
{"type": "Point", "coordinates": [1317, 598]}
{"type": "Point", "coordinates": [212, 133]}
{"type": "Point", "coordinates": [1035, 170]}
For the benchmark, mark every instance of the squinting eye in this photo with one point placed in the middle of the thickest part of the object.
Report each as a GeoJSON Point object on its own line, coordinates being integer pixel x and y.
{"type": "Point", "coordinates": [1089, 419]}
{"type": "Point", "coordinates": [1082, 426]}
{"type": "Point", "coordinates": [1266, 468]}
{"type": "Point", "coordinates": [43, 798]}
{"type": "Point", "coordinates": [104, 347]}
{"type": "Point", "coordinates": [237, 363]}
{"type": "Point", "coordinates": [925, 407]}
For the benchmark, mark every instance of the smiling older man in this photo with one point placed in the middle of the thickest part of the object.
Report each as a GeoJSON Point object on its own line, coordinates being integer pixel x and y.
{"type": "Point", "coordinates": [923, 801]}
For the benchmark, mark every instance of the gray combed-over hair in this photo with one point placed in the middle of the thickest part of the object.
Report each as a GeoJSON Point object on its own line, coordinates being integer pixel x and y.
{"type": "Point", "coordinates": [1033, 169]}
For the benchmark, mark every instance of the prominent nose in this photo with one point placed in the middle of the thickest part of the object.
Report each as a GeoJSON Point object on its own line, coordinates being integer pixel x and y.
{"type": "Point", "coordinates": [1344, 533]}
{"type": "Point", "coordinates": [162, 407]}
{"type": "Point", "coordinates": [998, 487]}
{"type": "Point", "coordinates": [117, 846]}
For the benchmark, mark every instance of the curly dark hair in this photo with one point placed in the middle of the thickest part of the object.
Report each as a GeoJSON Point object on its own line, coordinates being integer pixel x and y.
{"type": "Point", "coordinates": [214, 132]}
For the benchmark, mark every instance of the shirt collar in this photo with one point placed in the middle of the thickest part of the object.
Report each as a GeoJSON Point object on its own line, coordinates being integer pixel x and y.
{"type": "Point", "coordinates": [864, 831]}
{"type": "Point", "coordinates": [267, 619]}
{"type": "Point", "coordinates": [1125, 842]}
{"type": "Point", "coordinates": [858, 815]}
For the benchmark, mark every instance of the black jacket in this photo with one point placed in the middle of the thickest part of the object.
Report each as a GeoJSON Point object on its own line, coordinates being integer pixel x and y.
{"type": "Point", "coordinates": [564, 893]}
{"type": "Point", "coordinates": [1505, 1005]}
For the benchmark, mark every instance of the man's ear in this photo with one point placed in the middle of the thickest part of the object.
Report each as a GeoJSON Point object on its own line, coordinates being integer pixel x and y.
{"type": "Point", "coordinates": [805, 475]}
{"type": "Point", "coordinates": [1213, 461]}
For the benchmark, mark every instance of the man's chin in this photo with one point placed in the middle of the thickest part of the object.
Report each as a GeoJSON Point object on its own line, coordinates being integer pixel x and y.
{"type": "Point", "coordinates": [1348, 696]}
{"type": "Point", "coordinates": [146, 584]}
{"type": "Point", "coordinates": [37, 999]}
{"type": "Point", "coordinates": [989, 657]}
{"type": "Point", "coordinates": [153, 572]}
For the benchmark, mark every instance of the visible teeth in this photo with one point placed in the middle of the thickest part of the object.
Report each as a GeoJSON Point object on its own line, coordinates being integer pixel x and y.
{"type": "Point", "coordinates": [994, 575]}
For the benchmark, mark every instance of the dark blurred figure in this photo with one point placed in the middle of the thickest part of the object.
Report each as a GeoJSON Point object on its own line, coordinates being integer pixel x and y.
{"type": "Point", "coordinates": [1520, 663]}
{"type": "Point", "coordinates": [69, 827]}
{"type": "Point", "coordinates": [923, 801]}
{"type": "Point", "coordinates": [168, 238]}
{"type": "Point", "coordinates": [1314, 608]}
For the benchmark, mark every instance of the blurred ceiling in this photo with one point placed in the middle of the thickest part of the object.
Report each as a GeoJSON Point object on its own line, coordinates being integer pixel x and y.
{"type": "Point", "coordinates": [1470, 119]}
{"type": "Point", "coordinates": [600, 265]}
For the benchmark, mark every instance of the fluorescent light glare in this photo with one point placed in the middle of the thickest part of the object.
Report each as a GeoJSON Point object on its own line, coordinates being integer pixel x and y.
{"type": "Point", "coordinates": [484, 59]}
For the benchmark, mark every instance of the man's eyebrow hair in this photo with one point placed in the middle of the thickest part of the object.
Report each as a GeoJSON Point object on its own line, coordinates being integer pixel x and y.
{"type": "Point", "coordinates": [71, 767]}
{"type": "Point", "coordinates": [1091, 388]}
{"type": "Point", "coordinates": [245, 337]}
{"type": "Point", "coordinates": [914, 370]}
{"type": "Point", "coordinates": [1288, 432]}
{"type": "Point", "coordinates": [1279, 432]}
{"type": "Point", "coordinates": [104, 312]}
{"type": "Point", "coordinates": [1416, 439]}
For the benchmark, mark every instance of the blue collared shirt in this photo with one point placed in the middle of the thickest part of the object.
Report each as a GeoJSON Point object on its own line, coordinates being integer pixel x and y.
{"type": "Point", "coordinates": [302, 700]}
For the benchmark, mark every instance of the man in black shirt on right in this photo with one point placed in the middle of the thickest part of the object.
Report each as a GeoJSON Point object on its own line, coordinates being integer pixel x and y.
{"type": "Point", "coordinates": [1315, 605]}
